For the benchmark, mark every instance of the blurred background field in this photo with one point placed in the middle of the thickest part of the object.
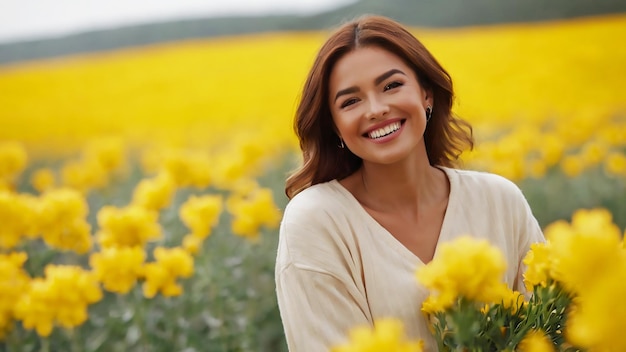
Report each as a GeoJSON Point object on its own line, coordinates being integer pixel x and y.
{"type": "Point", "coordinates": [178, 135]}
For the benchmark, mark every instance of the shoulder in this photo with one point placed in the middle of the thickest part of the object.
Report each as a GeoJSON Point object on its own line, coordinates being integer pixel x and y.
{"type": "Point", "coordinates": [479, 184]}
{"type": "Point", "coordinates": [319, 201]}
{"type": "Point", "coordinates": [316, 228]}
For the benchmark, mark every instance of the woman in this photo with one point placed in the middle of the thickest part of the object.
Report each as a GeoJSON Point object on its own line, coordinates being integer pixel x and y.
{"type": "Point", "coordinates": [378, 192]}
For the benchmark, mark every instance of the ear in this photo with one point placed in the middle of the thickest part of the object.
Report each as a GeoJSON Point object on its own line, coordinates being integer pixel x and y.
{"type": "Point", "coordinates": [336, 130]}
{"type": "Point", "coordinates": [428, 97]}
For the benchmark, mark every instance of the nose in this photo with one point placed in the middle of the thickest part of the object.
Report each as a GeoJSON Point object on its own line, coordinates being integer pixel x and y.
{"type": "Point", "coordinates": [376, 108]}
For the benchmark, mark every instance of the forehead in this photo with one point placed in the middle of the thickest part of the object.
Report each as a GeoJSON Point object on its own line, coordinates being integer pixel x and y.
{"type": "Point", "coordinates": [364, 65]}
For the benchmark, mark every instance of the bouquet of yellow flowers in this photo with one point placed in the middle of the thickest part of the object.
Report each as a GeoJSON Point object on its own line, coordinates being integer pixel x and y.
{"type": "Point", "coordinates": [577, 279]}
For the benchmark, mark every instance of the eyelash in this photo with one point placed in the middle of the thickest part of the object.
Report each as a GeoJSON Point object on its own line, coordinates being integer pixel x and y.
{"type": "Point", "coordinates": [392, 85]}
{"type": "Point", "coordinates": [348, 102]}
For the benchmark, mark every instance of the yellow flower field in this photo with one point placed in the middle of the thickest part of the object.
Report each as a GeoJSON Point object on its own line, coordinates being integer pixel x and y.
{"type": "Point", "coordinates": [148, 182]}
{"type": "Point", "coordinates": [555, 83]}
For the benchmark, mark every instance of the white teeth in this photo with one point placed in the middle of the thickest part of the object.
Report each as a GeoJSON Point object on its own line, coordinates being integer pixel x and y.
{"type": "Point", "coordinates": [381, 132]}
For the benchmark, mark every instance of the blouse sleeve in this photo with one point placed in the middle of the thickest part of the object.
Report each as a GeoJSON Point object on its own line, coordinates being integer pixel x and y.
{"type": "Point", "coordinates": [317, 309]}
{"type": "Point", "coordinates": [318, 285]}
{"type": "Point", "coordinates": [529, 232]}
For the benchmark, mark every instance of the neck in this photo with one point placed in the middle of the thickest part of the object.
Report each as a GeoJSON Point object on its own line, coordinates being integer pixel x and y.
{"type": "Point", "coordinates": [410, 185]}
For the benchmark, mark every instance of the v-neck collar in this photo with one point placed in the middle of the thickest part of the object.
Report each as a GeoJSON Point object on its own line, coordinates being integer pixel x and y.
{"type": "Point", "coordinates": [390, 238]}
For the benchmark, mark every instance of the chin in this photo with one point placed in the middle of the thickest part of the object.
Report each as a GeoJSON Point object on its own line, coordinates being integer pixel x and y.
{"type": "Point", "coordinates": [398, 155]}
{"type": "Point", "coordinates": [388, 159]}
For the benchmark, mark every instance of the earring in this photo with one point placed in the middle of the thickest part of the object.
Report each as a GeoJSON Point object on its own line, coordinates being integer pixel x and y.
{"type": "Point", "coordinates": [429, 113]}
{"type": "Point", "coordinates": [341, 145]}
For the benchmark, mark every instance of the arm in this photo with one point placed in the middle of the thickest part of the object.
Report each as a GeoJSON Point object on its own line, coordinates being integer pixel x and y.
{"type": "Point", "coordinates": [317, 309]}
{"type": "Point", "coordinates": [319, 285]}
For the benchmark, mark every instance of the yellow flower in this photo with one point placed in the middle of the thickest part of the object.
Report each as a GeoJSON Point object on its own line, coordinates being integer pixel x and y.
{"type": "Point", "coordinates": [151, 160]}
{"type": "Point", "coordinates": [386, 335]}
{"type": "Point", "coordinates": [588, 258]}
{"type": "Point", "coordinates": [243, 186]}
{"type": "Point", "coordinates": [595, 221]}
{"type": "Point", "coordinates": [253, 211]}
{"type": "Point", "coordinates": [84, 175]}
{"type": "Point", "coordinates": [74, 236]}
{"type": "Point", "coordinates": [615, 164]}
{"type": "Point", "coordinates": [13, 282]}
{"type": "Point", "coordinates": [594, 321]}
{"type": "Point", "coordinates": [593, 152]}
{"type": "Point", "coordinates": [43, 180]}
{"type": "Point", "coordinates": [551, 148]}
{"type": "Point", "coordinates": [200, 214]}
{"type": "Point", "coordinates": [130, 226]}
{"type": "Point", "coordinates": [155, 193]}
{"type": "Point", "coordinates": [512, 168]}
{"type": "Point", "coordinates": [433, 304]}
{"type": "Point", "coordinates": [537, 169]}
{"type": "Point", "coordinates": [188, 168]}
{"type": "Point", "coordinates": [93, 170]}
{"type": "Point", "coordinates": [108, 152]}
{"type": "Point", "coordinates": [229, 170]}
{"type": "Point", "coordinates": [513, 299]}
{"type": "Point", "coordinates": [62, 220]}
{"type": "Point", "coordinates": [162, 274]}
{"type": "Point", "coordinates": [578, 250]}
{"type": "Point", "coordinates": [62, 298]}
{"type": "Point", "coordinates": [118, 268]}
{"type": "Point", "coordinates": [466, 267]}
{"type": "Point", "coordinates": [572, 165]}
{"type": "Point", "coordinates": [192, 243]}
{"type": "Point", "coordinates": [536, 341]}
{"type": "Point", "coordinates": [17, 215]}
{"type": "Point", "coordinates": [538, 265]}
{"type": "Point", "coordinates": [13, 159]}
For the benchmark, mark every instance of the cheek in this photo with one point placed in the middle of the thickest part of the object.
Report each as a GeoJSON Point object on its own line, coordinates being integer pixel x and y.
{"type": "Point", "coordinates": [341, 120]}
{"type": "Point", "coordinates": [347, 124]}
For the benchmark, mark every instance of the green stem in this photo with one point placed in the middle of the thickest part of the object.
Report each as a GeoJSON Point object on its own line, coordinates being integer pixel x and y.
{"type": "Point", "coordinates": [45, 345]}
{"type": "Point", "coordinates": [74, 345]}
{"type": "Point", "coordinates": [140, 319]}
{"type": "Point", "coordinates": [172, 304]}
{"type": "Point", "coordinates": [14, 338]}
{"type": "Point", "coordinates": [218, 302]}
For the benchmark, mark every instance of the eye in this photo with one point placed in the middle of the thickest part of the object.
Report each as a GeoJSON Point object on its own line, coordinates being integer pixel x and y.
{"type": "Point", "coordinates": [348, 102]}
{"type": "Point", "coordinates": [392, 85]}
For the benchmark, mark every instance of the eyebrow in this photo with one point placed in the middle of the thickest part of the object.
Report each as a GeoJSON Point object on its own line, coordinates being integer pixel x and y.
{"type": "Point", "coordinates": [377, 81]}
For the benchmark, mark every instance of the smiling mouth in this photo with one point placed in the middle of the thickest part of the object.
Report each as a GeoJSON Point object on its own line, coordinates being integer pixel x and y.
{"type": "Point", "coordinates": [384, 131]}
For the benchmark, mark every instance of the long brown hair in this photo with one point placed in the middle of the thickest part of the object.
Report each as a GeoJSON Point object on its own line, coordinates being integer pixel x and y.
{"type": "Point", "coordinates": [446, 136]}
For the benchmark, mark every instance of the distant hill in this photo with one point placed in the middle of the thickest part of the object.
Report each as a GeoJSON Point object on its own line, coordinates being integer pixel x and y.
{"type": "Point", "coordinates": [429, 13]}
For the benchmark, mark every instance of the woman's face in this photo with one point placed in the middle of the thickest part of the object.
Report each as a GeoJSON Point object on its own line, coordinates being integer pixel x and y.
{"type": "Point", "coordinates": [378, 105]}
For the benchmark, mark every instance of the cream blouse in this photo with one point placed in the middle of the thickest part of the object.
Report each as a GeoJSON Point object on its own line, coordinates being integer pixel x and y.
{"type": "Point", "coordinates": [337, 267]}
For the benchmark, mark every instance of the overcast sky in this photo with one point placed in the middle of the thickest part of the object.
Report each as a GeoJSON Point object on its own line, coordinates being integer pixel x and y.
{"type": "Point", "coordinates": [32, 19]}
